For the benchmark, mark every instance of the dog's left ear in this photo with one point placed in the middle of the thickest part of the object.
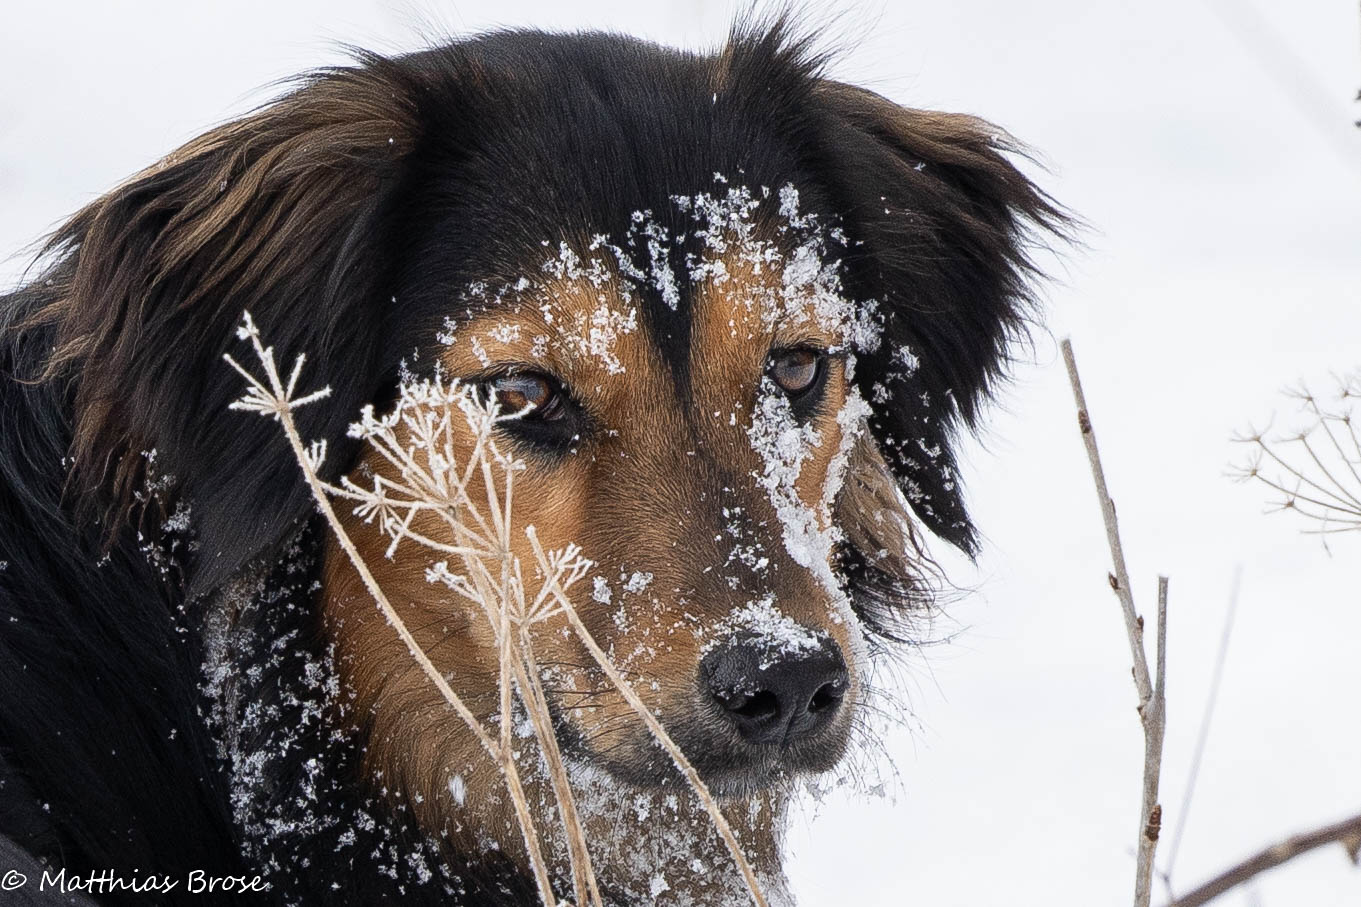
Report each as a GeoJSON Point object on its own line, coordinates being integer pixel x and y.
{"type": "Point", "coordinates": [939, 224]}
{"type": "Point", "coordinates": [283, 213]}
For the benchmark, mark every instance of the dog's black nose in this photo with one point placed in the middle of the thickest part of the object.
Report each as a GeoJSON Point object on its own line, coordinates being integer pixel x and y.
{"type": "Point", "coordinates": [774, 694]}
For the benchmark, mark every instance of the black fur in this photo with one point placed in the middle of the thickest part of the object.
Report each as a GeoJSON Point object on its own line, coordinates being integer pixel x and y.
{"type": "Point", "coordinates": [345, 218]}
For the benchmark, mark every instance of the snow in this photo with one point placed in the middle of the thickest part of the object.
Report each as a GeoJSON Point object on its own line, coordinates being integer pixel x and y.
{"type": "Point", "coordinates": [764, 625]}
{"type": "Point", "coordinates": [458, 789]}
{"type": "Point", "coordinates": [600, 590]}
{"type": "Point", "coordinates": [637, 582]}
{"type": "Point", "coordinates": [784, 445]}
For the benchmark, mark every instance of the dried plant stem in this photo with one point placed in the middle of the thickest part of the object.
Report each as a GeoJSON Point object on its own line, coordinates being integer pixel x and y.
{"type": "Point", "coordinates": [1347, 833]}
{"type": "Point", "coordinates": [283, 411]}
{"type": "Point", "coordinates": [1323, 483]}
{"type": "Point", "coordinates": [1152, 705]}
{"type": "Point", "coordinates": [517, 662]}
{"type": "Point", "coordinates": [658, 732]}
{"type": "Point", "coordinates": [503, 755]}
{"type": "Point", "coordinates": [583, 874]}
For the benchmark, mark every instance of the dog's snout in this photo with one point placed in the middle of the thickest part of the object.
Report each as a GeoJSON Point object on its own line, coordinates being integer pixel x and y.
{"type": "Point", "coordinates": [776, 697]}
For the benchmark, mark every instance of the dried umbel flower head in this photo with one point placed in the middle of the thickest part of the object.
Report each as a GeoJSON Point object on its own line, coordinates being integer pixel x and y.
{"type": "Point", "coordinates": [1314, 471]}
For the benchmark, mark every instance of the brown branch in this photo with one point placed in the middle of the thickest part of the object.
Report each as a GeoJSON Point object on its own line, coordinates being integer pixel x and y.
{"type": "Point", "coordinates": [1134, 627]}
{"type": "Point", "coordinates": [1151, 691]}
{"type": "Point", "coordinates": [1347, 833]}
{"type": "Point", "coordinates": [1155, 725]}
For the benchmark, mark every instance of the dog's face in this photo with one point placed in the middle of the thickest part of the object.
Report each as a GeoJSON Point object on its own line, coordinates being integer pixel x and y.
{"type": "Point", "coordinates": [699, 471]}
{"type": "Point", "coordinates": [739, 308]}
{"type": "Point", "coordinates": [654, 456]}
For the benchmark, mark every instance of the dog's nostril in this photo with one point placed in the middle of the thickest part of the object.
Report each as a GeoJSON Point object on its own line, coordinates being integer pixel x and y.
{"type": "Point", "coordinates": [778, 697]}
{"type": "Point", "coordinates": [828, 696]}
{"type": "Point", "coordinates": [762, 705]}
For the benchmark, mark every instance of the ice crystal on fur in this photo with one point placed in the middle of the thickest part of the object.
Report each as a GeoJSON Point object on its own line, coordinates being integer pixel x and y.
{"type": "Point", "coordinates": [784, 444]}
{"type": "Point", "coordinates": [777, 634]}
{"type": "Point", "coordinates": [637, 582]}
{"type": "Point", "coordinates": [797, 276]}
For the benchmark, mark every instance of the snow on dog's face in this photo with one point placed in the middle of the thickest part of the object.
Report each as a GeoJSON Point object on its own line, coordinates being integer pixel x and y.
{"type": "Point", "coordinates": [686, 416]}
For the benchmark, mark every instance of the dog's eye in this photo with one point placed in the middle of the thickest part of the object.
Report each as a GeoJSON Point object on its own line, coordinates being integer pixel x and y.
{"type": "Point", "coordinates": [796, 371]}
{"type": "Point", "coordinates": [517, 391]}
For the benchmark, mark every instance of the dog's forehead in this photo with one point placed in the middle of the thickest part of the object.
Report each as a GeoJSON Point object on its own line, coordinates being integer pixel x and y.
{"type": "Point", "coordinates": [692, 320]}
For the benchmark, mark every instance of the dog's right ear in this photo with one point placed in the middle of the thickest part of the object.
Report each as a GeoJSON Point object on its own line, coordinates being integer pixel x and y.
{"type": "Point", "coordinates": [942, 225]}
{"type": "Point", "coordinates": [281, 213]}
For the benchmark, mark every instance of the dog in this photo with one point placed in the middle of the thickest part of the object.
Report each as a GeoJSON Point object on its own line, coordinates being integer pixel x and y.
{"type": "Point", "coordinates": [741, 310]}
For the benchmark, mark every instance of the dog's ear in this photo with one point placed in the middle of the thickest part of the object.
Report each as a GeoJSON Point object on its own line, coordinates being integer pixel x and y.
{"type": "Point", "coordinates": [280, 213]}
{"type": "Point", "coordinates": [939, 223]}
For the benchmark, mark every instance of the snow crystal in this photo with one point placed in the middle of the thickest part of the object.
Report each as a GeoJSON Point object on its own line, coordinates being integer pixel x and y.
{"type": "Point", "coordinates": [601, 590]}
{"type": "Point", "coordinates": [458, 789]}
{"type": "Point", "coordinates": [179, 520]}
{"type": "Point", "coordinates": [784, 445]}
{"type": "Point", "coordinates": [418, 865]}
{"type": "Point", "coordinates": [663, 278]}
{"type": "Point", "coordinates": [505, 333]}
{"type": "Point", "coordinates": [908, 360]}
{"type": "Point", "coordinates": [480, 352]}
{"type": "Point", "coordinates": [606, 325]}
{"type": "Point", "coordinates": [637, 582]}
{"type": "Point", "coordinates": [777, 634]}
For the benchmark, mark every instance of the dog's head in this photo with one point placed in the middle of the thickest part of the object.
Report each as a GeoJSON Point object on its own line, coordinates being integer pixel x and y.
{"type": "Point", "coordinates": [743, 309]}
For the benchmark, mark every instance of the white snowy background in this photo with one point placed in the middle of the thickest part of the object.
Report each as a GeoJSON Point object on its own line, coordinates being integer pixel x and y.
{"type": "Point", "coordinates": [1209, 144]}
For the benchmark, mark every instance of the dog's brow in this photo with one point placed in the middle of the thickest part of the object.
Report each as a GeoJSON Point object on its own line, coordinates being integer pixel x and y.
{"type": "Point", "coordinates": [584, 333]}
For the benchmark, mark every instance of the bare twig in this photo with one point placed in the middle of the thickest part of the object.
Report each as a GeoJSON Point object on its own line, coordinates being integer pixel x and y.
{"type": "Point", "coordinates": [1134, 627]}
{"type": "Point", "coordinates": [1152, 705]}
{"type": "Point", "coordinates": [1155, 724]}
{"type": "Point", "coordinates": [1347, 833]}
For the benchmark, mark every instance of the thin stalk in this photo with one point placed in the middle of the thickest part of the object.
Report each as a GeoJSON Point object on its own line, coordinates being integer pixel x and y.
{"type": "Point", "coordinates": [527, 676]}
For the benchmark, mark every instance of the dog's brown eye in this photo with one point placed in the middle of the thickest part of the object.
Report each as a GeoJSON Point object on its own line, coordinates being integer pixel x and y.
{"type": "Point", "coordinates": [517, 391]}
{"type": "Point", "coordinates": [795, 371]}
